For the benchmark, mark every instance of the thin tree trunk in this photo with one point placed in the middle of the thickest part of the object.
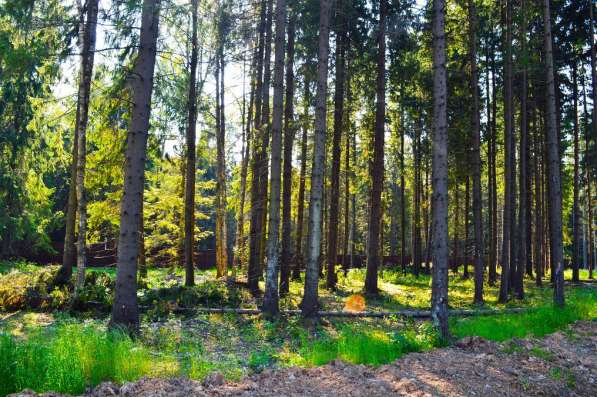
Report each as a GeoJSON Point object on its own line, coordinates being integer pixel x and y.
{"type": "Point", "coordinates": [141, 259]}
{"type": "Point", "coordinates": [477, 204]}
{"type": "Point", "coordinates": [69, 254]}
{"type": "Point", "coordinates": [310, 304]}
{"type": "Point", "coordinates": [253, 270]}
{"type": "Point", "coordinates": [553, 161]}
{"type": "Point", "coordinates": [298, 260]}
{"type": "Point", "coordinates": [416, 228]}
{"type": "Point", "coordinates": [271, 298]}
{"type": "Point", "coordinates": [125, 311]}
{"type": "Point", "coordinates": [347, 174]}
{"type": "Point", "coordinates": [538, 205]}
{"type": "Point", "coordinates": [84, 92]}
{"type": "Point", "coordinates": [589, 181]}
{"type": "Point", "coordinates": [576, 219]}
{"type": "Point", "coordinates": [593, 71]}
{"type": "Point", "coordinates": [402, 194]}
{"type": "Point", "coordinates": [522, 211]}
{"type": "Point", "coordinates": [189, 197]}
{"type": "Point", "coordinates": [336, 151]}
{"type": "Point", "coordinates": [456, 262]}
{"type": "Point", "coordinates": [508, 148]}
{"type": "Point", "coordinates": [439, 284]}
{"type": "Point", "coordinates": [221, 223]}
{"type": "Point", "coordinates": [467, 220]}
{"type": "Point", "coordinates": [377, 167]}
{"type": "Point", "coordinates": [493, 182]}
{"type": "Point", "coordinates": [289, 131]}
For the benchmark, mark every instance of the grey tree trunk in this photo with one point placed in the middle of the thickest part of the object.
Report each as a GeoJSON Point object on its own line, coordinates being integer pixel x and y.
{"type": "Point", "coordinates": [271, 298]}
{"type": "Point", "coordinates": [125, 311]}
{"type": "Point", "coordinates": [477, 203]}
{"type": "Point", "coordinates": [377, 167]}
{"type": "Point", "coordinates": [589, 181]}
{"type": "Point", "coordinates": [289, 132]}
{"type": "Point", "coordinates": [553, 165]}
{"type": "Point", "coordinates": [593, 69]}
{"type": "Point", "coordinates": [189, 197]}
{"type": "Point", "coordinates": [84, 92]}
{"type": "Point", "coordinates": [310, 304]}
{"type": "Point", "coordinates": [439, 284]}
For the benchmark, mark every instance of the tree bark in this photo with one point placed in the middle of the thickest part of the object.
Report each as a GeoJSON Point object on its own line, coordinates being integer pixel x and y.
{"type": "Point", "coordinates": [508, 148]}
{"type": "Point", "coordinates": [593, 72]}
{"type": "Point", "coordinates": [576, 218]}
{"type": "Point", "coordinates": [553, 162]}
{"type": "Point", "coordinates": [332, 242]}
{"type": "Point", "coordinates": [254, 268]}
{"type": "Point", "coordinates": [69, 254]}
{"type": "Point", "coordinates": [289, 131]}
{"type": "Point", "coordinates": [189, 197]}
{"type": "Point", "coordinates": [416, 223]}
{"type": "Point", "coordinates": [125, 311]}
{"type": "Point", "coordinates": [377, 167]}
{"type": "Point", "coordinates": [522, 200]}
{"type": "Point", "coordinates": [477, 203]}
{"type": "Point", "coordinates": [310, 304]}
{"type": "Point", "coordinates": [86, 73]}
{"type": "Point", "coordinates": [589, 181]}
{"type": "Point", "coordinates": [271, 298]}
{"type": "Point", "coordinates": [221, 223]}
{"type": "Point", "coordinates": [493, 182]}
{"type": "Point", "coordinates": [439, 284]}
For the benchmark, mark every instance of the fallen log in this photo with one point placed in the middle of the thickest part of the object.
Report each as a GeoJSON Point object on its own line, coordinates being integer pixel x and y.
{"type": "Point", "coordinates": [361, 314]}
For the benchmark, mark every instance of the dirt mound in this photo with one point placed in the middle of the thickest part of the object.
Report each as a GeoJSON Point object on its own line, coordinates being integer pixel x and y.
{"type": "Point", "coordinates": [562, 364]}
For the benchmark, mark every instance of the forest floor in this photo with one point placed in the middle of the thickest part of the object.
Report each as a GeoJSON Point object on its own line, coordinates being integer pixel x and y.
{"type": "Point", "coordinates": [63, 345]}
{"type": "Point", "coordinates": [561, 364]}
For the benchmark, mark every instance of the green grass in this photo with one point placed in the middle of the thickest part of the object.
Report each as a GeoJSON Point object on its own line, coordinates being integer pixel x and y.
{"type": "Point", "coordinates": [581, 305]}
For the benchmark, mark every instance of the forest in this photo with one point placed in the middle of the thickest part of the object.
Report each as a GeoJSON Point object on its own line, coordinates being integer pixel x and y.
{"type": "Point", "coordinates": [298, 197]}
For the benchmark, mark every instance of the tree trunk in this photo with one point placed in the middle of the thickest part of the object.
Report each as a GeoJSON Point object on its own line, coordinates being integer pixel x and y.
{"type": "Point", "coordinates": [83, 99]}
{"type": "Point", "coordinates": [589, 181]}
{"type": "Point", "coordinates": [310, 304]}
{"type": "Point", "coordinates": [402, 194]}
{"type": "Point", "coordinates": [189, 196]}
{"type": "Point", "coordinates": [508, 148]}
{"type": "Point", "coordinates": [377, 167]}
{"type": "Point", "coordinates": [221, 224]}
{"type": "Point", "coordinates": [69, 254]}
{"type": "Point", "coordinates": [537, 156]}
{"type": "Point", "coordinates": [253, 270]}
{"type": "Point", "coordinates": [298, 259]}
{"type": "Point", "coordinates": [141, 259]}
{"type": "Point", "coordinates": [439, 285]}
{"type": "Point", "coordinates": [467, 220]}
{"type": "Point", "coordinates": [576, 219]}
{"type": "Point", "coordinates": [125, 310]}
{"type": "Point", "coordinates": [522, 200]}
{"type": "Point", "coordinates": [493, 182]}
{"type": "Point", "coordinates": [336, 151]}
{"type": "Point", "coordinates": [477, 203]}
{"type": "Point", "coordinates": [553, 162]}
{"type": "Point", "coordinates": [593, 72]}
{"type": "Point", "coordinates": [289, 131]}
{"type": "Point", "coordinates": [416, 223]}
{"type": "Point", "coordinates": [456, 262]}
{"type": "Point", "coordinates": [271, 298]}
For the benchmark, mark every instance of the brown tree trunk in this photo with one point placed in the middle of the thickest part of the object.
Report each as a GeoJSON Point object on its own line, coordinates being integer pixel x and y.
{"type": "Point", "coordinates": [336, 151]}
{"type": "Point", "coordinates": [289, 131]}
{"type": "Point", "coordinates": [125, 310]}
{"type": "Point", "coordinates": [416, 223]}
{"type": "Point", "coordinates": [508, 149]}
{"type": "Point", "coordinates": [189, 196]}
{"type": "Point", "coordinates": [271, 298]}
{"type": "Point", "coordinates": [377, 167]}
{"type": "Point", "coordinates": [402, 195]}
{"type": "Point", "coordinates": [310, 304]}
{"type": "Point", "coordinates": [576, 218]}
{"type": "Point", "coordinates": [478, 246]}
{"type": "Point", "coordinates": [86, 73]}
{"type": "Point", "coordinates": [589, 181]}
{"type": "Point", "coordinates": [522, 211]}
{"type": "Point", "coordinates": [439, 284]}
{"type": "Point", "coordinates": [69, 255]}
{"type": "Point", "coordinates": [537, 156]}
{"type": "Point", "coordinates": [493, 182]}
{"type": "Point", "coordinates": [254, 267]}
{"type": "Point", "coordinates": [467, 220]}
{"type": "Point", "coordinates": [221, 224]}
{"type": "Point", "coordinates": [553, 162]}
{"type": "Point", "coordinates": [298, 259]}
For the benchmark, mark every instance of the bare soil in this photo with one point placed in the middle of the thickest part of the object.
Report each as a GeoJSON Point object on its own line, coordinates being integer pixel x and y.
{"type": "Point", "coordinates": [561, 364]}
